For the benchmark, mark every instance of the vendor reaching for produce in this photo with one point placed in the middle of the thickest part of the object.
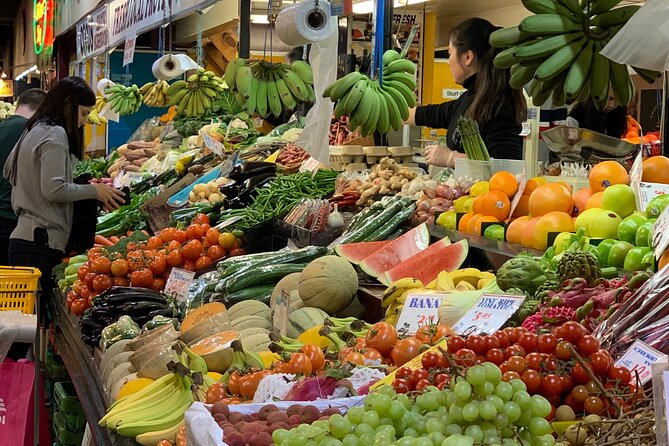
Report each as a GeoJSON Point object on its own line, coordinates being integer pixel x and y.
{"type": "Point", "coordinates": [489, 100]}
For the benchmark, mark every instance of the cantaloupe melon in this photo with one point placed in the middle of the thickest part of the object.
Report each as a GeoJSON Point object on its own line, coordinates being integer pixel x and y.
{"type": "Point", "coordinates": [200, 314]}
{"type": "Point", "coordinates": [164, 331]}
{"type": "Point", "coordinates": [249, 308]}
{"type": "Point", "coordinates": [303, 319]}
{"type": "Point", "coordinates": [216, 350]}
{"type": "Point", "coordinates": [287, 284]}
{"type": "Point", "coordinates": [157, 366]}
{"type": "Point", "coordinates": [329, 283]}
{"type": "Point", "coordinates": [257, 341]}
{"type": "Point", "coordinates": [251, 322]}
{"type": "Point", "coordinates": [206, 328]}
{"type": "Point", "coordinates": [113, 350]}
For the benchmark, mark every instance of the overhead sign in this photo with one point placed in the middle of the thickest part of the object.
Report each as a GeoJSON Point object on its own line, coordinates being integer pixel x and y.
{"type": "Point", "coordinates": [42, 25]}
{"type": "Point", "coordinates": [92, 35]}
{"type": "Point", "coordinates": [6, 87]}
{"type": "Point", "coordinates": [132, 17]}
{"type": "Point", "coordinates": [69, 12]}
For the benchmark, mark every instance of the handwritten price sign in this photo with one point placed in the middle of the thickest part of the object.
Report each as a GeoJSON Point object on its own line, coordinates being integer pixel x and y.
{"type": "Point", "coordinates": [648, 191]}
{"type": "Point", "coordinates": [178, 283]}
{"type": "Point", "coordinates": [488, 314]}
{"type": "Point", "coordinates": [638, 359]}
{"type": "Point", "coordinates": [421, 308]}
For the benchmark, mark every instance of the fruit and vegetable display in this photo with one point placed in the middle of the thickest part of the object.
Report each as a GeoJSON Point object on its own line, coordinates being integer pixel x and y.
{"type": "Point", "coordinates": [124, 100]}
{"type": "Point", "coordinates": [557, 51]}
{"type": "Point", "coordinates": [267, 88]}
{"type": "Point", "coordinates": [195, 95]}
{"type": "Point", "coordinates": [6, 109]}
{"type": "Point", "coordinates": [372, 105]}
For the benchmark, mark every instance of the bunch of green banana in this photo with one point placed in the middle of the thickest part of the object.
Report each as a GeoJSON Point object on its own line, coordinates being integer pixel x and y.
{"type": "Point", "coordinates": [558, 50]}
{"type": "Point", "coordinates": [155, 93]}
{"type": "Point", "coordinates": [94, 116]}
{"type": "Point", "coordinates": [395, 296]}
{"type": "Point", "coordinates": [124, 100]}
{"type": "Point", "coordinates": [269, 88]}
{"type": "Point", "coordinates": [371, 106]}
{"type": "Point", "coordinates": [194, 96]}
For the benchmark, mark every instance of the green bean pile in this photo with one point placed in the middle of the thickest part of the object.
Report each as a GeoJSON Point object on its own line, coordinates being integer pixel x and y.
{"type": "Point", "coordinates": [282, 194]}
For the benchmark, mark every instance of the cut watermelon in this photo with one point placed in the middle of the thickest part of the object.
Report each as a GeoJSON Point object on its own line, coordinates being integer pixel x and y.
{"type": "Point", "coordinates": [426, 265]}
{"type": "Point", "coordinates": [397, 251]}
{"type": "Point", "coordinates": [357, 252]}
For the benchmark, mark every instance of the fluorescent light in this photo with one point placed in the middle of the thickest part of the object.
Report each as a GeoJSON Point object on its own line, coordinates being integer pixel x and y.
{"type": "Point", "coordinates": [367, 7]}
{"type": "Point", "coordinates": [259, 18]}
{"type": "Point", "coordinates": [4, 75]}
{"type": "Point", "coordinates": [32, 69]}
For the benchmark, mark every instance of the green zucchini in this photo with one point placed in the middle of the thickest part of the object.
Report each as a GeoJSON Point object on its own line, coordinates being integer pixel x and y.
{"type": "Point", "coordinates": [263, 274]}
{"type": "Point", "coordinates": [260, 293]}
{"type": "Point", "coordinates": [372, 224]}
{"type": "Point", "coordinates": [391, 225]}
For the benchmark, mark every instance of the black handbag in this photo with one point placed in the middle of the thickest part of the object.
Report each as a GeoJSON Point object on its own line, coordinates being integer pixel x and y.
{"type": "Point", "coordinates": [84, 221]}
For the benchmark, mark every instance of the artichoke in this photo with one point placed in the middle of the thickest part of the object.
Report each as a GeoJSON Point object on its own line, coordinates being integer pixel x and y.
{"type": "Point", "coordinates": [552, 283]}
{"type": "Point", "coordinates": [575, 264]}
{"type": "Point", "coordinates": [522, 272]}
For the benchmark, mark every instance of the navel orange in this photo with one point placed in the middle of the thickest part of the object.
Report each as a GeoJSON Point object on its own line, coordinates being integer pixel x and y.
{"type": "Point", "coordinates": [581, 199]}
{"type": "Point", "coordinates": [605, 174]}
{"type": "Point", "coordinates": [550, 197]}
{"type": "Point", "coordinates": [514, 231]}
{"type": "Point", "coordinates": [505, 182]}
{"type": "Point", "coordinates": [656, 170]}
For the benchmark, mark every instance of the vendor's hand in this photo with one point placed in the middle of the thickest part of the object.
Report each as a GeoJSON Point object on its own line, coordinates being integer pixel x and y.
{"type": "Point", "coordinates": [440, 156]}
{"type": "Point", "coordinates": [111, 198]}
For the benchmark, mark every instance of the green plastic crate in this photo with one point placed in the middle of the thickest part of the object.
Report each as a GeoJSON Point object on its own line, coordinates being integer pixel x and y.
{"type": "Point", "coordinates": [66, 397]}
{"type": "Point", "coordinates": [55, 368]}
{"type": "Point", "coordinates": [64, 435]}
{"type": "Point", "coordinates": [74, 420]}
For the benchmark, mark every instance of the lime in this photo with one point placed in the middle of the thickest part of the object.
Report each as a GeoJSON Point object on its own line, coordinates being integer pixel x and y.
{"type": "Point", "coordinates": [447, 220]}
{"type": "Point", "coordinates": [495, 232]}
{"type": "Point", "coordinates": [618, 253]}
{"type": "Point", "coordinates": [604, 248]}
{"type": "Point", "coordinates": [459, 204]}
{"type": "Point", "coordinates": [634, 260]}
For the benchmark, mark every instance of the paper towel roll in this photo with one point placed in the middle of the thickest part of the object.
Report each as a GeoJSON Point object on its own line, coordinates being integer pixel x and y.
{"type": "Point", "coordinates": [103, 84]}
{"type": "Point", "coordinates": [305, 22]}
{"type": "Point", "coordinates": [172, 65]}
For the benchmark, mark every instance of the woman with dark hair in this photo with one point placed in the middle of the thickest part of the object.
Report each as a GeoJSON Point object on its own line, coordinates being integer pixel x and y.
{"type": "Point", "coordinates": [40, 170]}
{"type": "Point", "coordinates": [488, 99]}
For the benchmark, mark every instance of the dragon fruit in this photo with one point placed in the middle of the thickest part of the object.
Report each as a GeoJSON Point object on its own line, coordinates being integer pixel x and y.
{"type": "Point", "coordinates": [548, 316]}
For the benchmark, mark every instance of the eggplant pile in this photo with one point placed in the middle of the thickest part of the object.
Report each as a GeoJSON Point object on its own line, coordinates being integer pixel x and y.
{"type": "Point", "coordinates": [140, 304]}
{"type": "Point", "coordinates": [248, 178]}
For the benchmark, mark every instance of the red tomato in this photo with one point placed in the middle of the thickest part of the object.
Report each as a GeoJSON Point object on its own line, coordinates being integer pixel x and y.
{"type": "Point", "coordinates": [97, 251]}
{"type": "Point", "coordinates": [491, 342]}
{"type": "Point", "coordinates": [158, 264]}
{"type": "Point", "coordinates": [180, 236]}
{"type": "Point", "coordinates": [508, 376]}
{"type": "Point", "coordinates": [620, 373]}
{"type": "Point", "coordinates": [579, 375]}
{"type": "Point", "coordinates": [194, 232]}
{"type": "Point", "coordinates": [593, 405]}
{"type": "Point", "coordinates": [79, 306]}
{"type": "Point", "coordinates": [440, 378]}
{"type": "Point", "coordinates": [476, 344]}
{"type": "Point", "coordinates": [422, 384]}
{"type": "Point", "coordinates": [405, 350]}
{"type": "Point", "coordinates": [550, 364]}
{"type": "Point", "coordinates": [158, 284]}
{"type": "Point", "coordinates": [383, 337]}
{"type": "Point", "coordinates": [192, 250]}
{"type": "Point", "coordinates": [587, 345]}
{"type": "Point", "coordinates": [102, 282]}
{"type": "Point", "coordinates": [89, 280]}
{"type": "Point", "coordinates": [119, 268]}
{"type": "Point", "coordinates": [141, 278]}
{"type": "Point", "coordinates": [567, 383]}
{"type": "Point", "coordinates": [503, 338]}
{"type": "Point", "coordinates": [572, 331]}
{"type": "Point", "coordinates": [85, 292]}
{"type": "Point", "coordinates": [533, 361]}
{"type": "Point", "coordinates": [175, 259]}
{"type": "Point", "coordinates": [215, 393]}
{"type": "Point", "coordinates": [495, 355]}
{"type": "Point", "coordinates": [418, 375]}
{"type": "Point", "coordinates": [579, 393]}
{"type": "Point", "coordinates": [562, 350]}
{"type": "Point", "coordinates": [212, 236]}
{"type": "Point", "coordinates": [403, 372]}
{"type": "Point", "coordinates": [532, 380]}
{"type": "Point", "coordinates": [202, 262]}
{"type": "Point", "coordinates": [528, 341]}
{"type": "Point", "coordinates": [83, 270]}
{"type": "Point", "coordinates": [171, 246]}
{"type": "Point", "coordinates": [517, 364]}
{"type": "Point", "coordinates": [513, 333]}
{"type": "Point", "coordinates": [551, 385]}
{"type": "Point", "coordinates": [465, 357]}
{"type": "Point", "coordinates": [455, 343]}
{"type": "Point", "coordinates": [167, 234]}
{"type": "Point", "coordinates": [201, 219]}
{"type": "Point", "coordinates": [189, 265]}
{"type": "Point", "coordinates": [601, 361]}
{"type": "Point", "coordinates": [155, 242]}
{"type": "Point", "coordinates": [71, 297]}
{"type": "Point", "coordinates": [237, 252]}
{"type": "Point", "coordinates": [215, 252]}
{"type": "Point", "coordinates": [431, 360]}
{"type": "Point", "coordinates": [401, 386]}
{"type": "Point", "coordinates": [514, 350]}
{"type": "Point", "coordinates": [119, 281]}
{"type": "Point", "coordinates": [547, 342]}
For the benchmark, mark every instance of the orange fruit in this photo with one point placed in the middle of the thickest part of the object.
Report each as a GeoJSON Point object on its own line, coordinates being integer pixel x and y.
{"type": "Point", "coordinates": [581, 199]}
{"type": "Point", "coordinates": [493, 204]}
{"type": "Point", "coordinates": [527, 237]}
{"type": "Point", "coordinates": [595, 201]}
{"type": "Point", "coordinates": [664, 260]}
{"type": "Point", "coordinates": [485, 219]}
{"type": "Point", "coordinates": [505, 182]}
{"type": "Point", "coordinates": [464, 221]}
{"type": "Point", "coordinates": [515, 229]}
{"type": "Point", "coordinates": [566, 185]}
{"type": "Point", "coordinates": [605, 174]}
{"type": "Point", "coordinates": [523, 207]}
{"type": "Point", "coordinates": [656, 170]}
{"type": "Point", "coordinates": [550, 197]}
{"type": "Point", "coordinates": [473, 222]}
{"type": "Point", "coordinates": [552, 222]}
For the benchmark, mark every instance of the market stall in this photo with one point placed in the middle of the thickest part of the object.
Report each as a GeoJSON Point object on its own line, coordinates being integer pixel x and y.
{"type": "Point", "coordinates": [299, 283]}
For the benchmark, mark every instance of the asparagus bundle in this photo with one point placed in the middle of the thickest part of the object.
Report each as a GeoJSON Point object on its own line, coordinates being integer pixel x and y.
{"type": "Point", "coordinates": [472, 142]}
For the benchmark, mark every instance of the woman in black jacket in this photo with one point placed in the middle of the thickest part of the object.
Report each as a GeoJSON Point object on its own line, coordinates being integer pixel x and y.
{"type": "Point", "coordinates": [498, 108]}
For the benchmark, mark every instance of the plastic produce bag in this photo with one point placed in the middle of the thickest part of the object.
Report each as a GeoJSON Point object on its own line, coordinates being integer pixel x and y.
{"type": "Point", "coordinates": [158, 321]}
{"type": "Point", "coordinates": [123, 328]}
{"type": "Point", "coordinates": [642, 42]}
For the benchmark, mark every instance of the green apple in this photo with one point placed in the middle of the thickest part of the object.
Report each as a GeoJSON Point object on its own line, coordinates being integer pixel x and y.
{"type": "Point", "coordinates": [495, 232]}
{"type": "Point", "coordinates": [605, 225]}
{"type": "Point", "coordinates": [634, 260]}
{"type": "Point", "coordinates": [618, 253]}
{"type": "Point", "coordinates": [629, 226]}
{"type": "Point", "coordinates": [585, 218]}
{"type": "Point", "coordinates": [603, 249]}
{"type": "Point", "coordinates": [649, 259]}
{"type": "Point", "coordinates": [447, 220]}
{"type": "Point", "coordinates": [562, 242]}
{"type": "Point", "coordinates": [657, 205]}
{"type": "Point", "coordinates": [620, 199]}
{"type": "Point", "coordinates": [644, 233]}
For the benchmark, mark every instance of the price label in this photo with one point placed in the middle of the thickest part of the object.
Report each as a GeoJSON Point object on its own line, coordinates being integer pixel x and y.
{"type": "Point", "coordinates": [522, 182]}
{"type": "Point", "coordinates": [488, 314]}
{"type": "Point", "coordinates": [178, 283]}
{"type": "Point", "coordinates": [639, 358]}
{"type": "Point", "coordinates": [127, 179]}
{"type": "Point", "coordinates": [648, 191]}
{"type": "Point", "coordinates": [661, 233]}
{"type": "Point", "coordinates": [420, 308]}
{"type": "Point", "coordinates": [311, 165]}
{"type": "Point", "coordinates": [280, 318]}
{"type": "Point", "coordinates": [129, 50]}
{"type": "Point", "coordinates": [451, 93]}
{"type": "Point", "coordinates": [212, 144]}
{"type": "Point", "coordinates": [526, 129]}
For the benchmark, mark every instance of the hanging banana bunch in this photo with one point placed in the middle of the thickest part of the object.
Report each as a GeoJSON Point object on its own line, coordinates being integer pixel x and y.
{"type": "Point", "coordinates": [124, 100]}
{"type": "Point", "coordinates": [194, 96]}
{"type": "Point", "coordinates": [557, 51]}
{"type": "Point", "coordinates": [155, 93]}
{"type": "Point", "coordinates": [268, 88]}
{"type": "Point", "coordinates": [371, 106]}
{"type": "Point", "coordinates": [94, 116]}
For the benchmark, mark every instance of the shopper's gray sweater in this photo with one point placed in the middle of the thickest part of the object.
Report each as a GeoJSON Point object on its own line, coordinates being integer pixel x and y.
{"type": "Point", "coordinates": [40, 171]}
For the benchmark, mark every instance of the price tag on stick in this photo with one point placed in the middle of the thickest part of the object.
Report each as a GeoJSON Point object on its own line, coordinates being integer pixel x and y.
{"type": "Point", "coordinates": [420, 308]}
{"type": "Point", "coordinates": [178, 283]}
{"type": "Point", "coordinates": [639, 358]}
{"type": "Point", "coordinates": [488, 314]}
{"type": "Point", "coordinates": [661, 233]}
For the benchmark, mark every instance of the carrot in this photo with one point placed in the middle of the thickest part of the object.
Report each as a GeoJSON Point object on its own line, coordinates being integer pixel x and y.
{"type": "Point", "coordinates": [129, 233]}
{"type": "Point", "coordinates": [114, 239]}
{"type": "Point", "coordinates": [104, 241]}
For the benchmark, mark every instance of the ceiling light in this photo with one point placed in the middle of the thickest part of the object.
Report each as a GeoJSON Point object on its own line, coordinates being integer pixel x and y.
{"type": "Point", "coordinates": [259, 19]}
{"type": "Point", "coordinates": [32, 69]}
{"type": "Point", "coordinates": [367, 7]}
{"type": "Point", "coordinates": [4, 75]}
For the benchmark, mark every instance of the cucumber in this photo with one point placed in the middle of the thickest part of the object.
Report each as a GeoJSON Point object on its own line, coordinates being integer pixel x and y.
{"type": "Point", "coordinates": [391, 225]}
{"type": "Point", "coordinates": [360, 218]}
{"type": "Point", "coordinates": [299, 255]}
{"type": "Point", "coordinates": [260, 293]}
{"type": "Point", "coordinates": [371, 225]}
{"type": "Point", "coordinates": [263, 274]}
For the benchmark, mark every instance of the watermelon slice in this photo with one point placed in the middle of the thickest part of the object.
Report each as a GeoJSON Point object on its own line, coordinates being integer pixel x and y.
{"type": "Point", "coordinates": [357, 252]}
{"type": "Point", "coordinates": [426, 265]}
{"type": "Point", "coordinates": [396, 252]}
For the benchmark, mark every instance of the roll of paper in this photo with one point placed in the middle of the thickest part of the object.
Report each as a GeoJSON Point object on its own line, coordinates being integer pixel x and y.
{"type": "Point", "coordinates": [103, 84]}
{"type": "Point", "coordinates": [305, 22]}
{"type": "Point", "coordinates": [172, 65]}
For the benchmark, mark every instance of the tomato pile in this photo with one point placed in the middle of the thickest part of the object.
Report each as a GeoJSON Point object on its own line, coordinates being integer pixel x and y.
{"type": "Point", "coordinates": [544, 362]}
{"type": "Point", "coordinates": [148, 264]}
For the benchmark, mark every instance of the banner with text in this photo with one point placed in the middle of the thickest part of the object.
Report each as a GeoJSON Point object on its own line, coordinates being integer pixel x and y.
{"type": "Point", "coordinates": [92, 35]}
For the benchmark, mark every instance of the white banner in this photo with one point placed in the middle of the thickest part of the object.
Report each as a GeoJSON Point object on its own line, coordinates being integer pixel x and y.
{"type": "Point", "coordinates": [69, 12]}
{"type": "Point", "coordinates": [92, 39]}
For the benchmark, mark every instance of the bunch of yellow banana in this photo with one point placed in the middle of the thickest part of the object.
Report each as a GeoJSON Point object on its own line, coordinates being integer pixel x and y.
{"type": "Point", "coordinates": [124, 100]}
{"type": "Point", "coordinates": [195, 95]}
{"type": "Point", "coordinates": [371, 106]}
{"type": "Point", "coordinates": [395, 296]}
{"type": "Point", "coordinates": [269, 88]}
{"type": "Point", "coordinates": [155, 93]}
{"type": "Point", "coordinates": [558, 50]}
{"type": "Point", "coordinates": [94, 116]}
